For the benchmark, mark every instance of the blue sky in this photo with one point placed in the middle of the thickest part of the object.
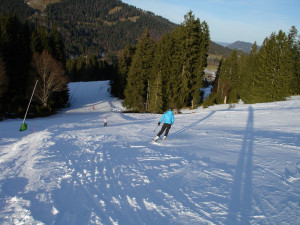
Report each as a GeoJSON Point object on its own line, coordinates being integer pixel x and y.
{"type": "Point", "coordinates": [231, 20]}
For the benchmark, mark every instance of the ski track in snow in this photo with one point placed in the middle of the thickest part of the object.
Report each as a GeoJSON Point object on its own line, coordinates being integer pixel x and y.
{"type": "Point", "coordinates": [219, 165]}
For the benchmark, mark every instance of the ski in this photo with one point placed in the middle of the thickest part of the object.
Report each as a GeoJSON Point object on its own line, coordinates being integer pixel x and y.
{"type": "Point", "coordinates": [157, 141]}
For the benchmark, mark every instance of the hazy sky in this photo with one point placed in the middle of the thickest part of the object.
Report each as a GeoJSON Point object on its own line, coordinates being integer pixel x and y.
{"type": "Point", "coordinates": [231, 20]}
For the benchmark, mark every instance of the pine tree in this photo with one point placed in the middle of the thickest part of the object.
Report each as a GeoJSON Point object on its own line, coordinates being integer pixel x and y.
{"type": "Point", "coordinates": [3, 79]}
{"type": "Point", "coordinates": [215, 96]}
{"type": "Point", "coordinates": [182, 90]}
{"type": "Point", "coordinates": [248, 69]}
{"type": "Point", "coordinates": [275, 70]}
{"type": "Point", "coordinates": [223, 83]}
{"type": "Point", "coordinates": [233, 77]}
{"type": "Point", "coordinates": [177, 90]}
{"type": "Point", "coordinates": [205, 41]}
{"type": "Point", "coordinates": [159, 68]}
{"type": "Point", "coordinates": [119, 81]}
{"type": "Point", "coordinates": [80, 68]}
{"type": "Point", "coordinates": [187, 59]}
{"type": "Point", "coordinates": [57, 46]}
{"type": "Point", "coordinates": [242, 74]}
{"type": "Point", "coordinates": [14, 45]}
{"type": "Point", "coordinates": [70, 69]}
{"type": "Point", "coordinates": [194, 48]}
{"type": "Point", "coordinates": [155, 95]}
{"type": "Point", "coordinates": [229, 79]}
{"type": "Point", "coordinates": [18, 42]}
{"type": "Point", "coordinates": [40, 40]}
{"type": "Point", "coordinates": [294, 42]}
{"type": "Point", "coordinates": [138, 80]}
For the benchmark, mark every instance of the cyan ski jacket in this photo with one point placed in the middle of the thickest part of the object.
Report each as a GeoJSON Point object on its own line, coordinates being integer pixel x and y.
{"type": "Point", "coordinates": [168, 117]}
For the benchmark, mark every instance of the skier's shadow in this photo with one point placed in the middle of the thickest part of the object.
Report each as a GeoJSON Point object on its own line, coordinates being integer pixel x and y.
{"type": "Point", "coordinates": [192, 124]}
{"type": "Point", "coordinates": [240, 205]}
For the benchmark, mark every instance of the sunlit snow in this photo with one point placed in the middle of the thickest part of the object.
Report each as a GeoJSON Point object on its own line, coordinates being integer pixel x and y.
{"type": "Point", "coordinates": [220, 165]}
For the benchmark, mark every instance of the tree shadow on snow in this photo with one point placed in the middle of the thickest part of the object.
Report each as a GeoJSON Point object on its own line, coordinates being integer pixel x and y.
{"type": "Point", "coordinates": [193, 124]}
{"type": "Point", "coordinates": [240, 205]}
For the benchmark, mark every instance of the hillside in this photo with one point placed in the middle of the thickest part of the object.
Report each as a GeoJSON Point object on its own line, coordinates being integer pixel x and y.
{"type": "Point", "coordinates": [219, 165]}
{"type": "Point", "coordinates": [241, 45]}
{"type": "Point", "coordinates": [40, 5]}
{"type": "Point", "coordinates": [95, 26]}
{"type": "Point", "coordinates": [216, 49]}
{"type": "Point", "coordinates": [16, 6]}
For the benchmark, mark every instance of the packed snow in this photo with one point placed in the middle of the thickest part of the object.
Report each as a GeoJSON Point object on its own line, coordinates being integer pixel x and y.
{"type": "Point", "coordinates": [226, 164]}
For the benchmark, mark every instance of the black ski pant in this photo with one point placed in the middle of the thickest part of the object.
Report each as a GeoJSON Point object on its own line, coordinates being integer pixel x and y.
{"type": "Point", "coordinates": [166, 127]}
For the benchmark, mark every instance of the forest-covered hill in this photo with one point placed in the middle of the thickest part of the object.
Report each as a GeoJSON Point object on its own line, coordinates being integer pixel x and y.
{"type": "Point", "coordinates": [242, 46]}
{"type": "Point", "coordinates": [92, 27]}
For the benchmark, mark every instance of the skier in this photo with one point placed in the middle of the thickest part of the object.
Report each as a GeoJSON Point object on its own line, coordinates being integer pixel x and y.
{"type": "Point", "coordinates": [168, 119]}
{"type": "Point", "coordinates": [105, 122]}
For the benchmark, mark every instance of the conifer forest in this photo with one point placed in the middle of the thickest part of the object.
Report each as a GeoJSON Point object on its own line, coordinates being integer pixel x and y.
{"type": "Point", "coordinates": [153, 76]}
{"type": "Point", "coordinates": [162, 66]}
{"type": "Point", "coordinates": [265, 75]}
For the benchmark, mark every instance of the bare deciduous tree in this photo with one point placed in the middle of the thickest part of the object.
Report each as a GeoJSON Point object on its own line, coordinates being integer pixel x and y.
{"type": "Point", "coordinates": [3, 78]}
{"type": "Point", "coordinates": [51, 76]}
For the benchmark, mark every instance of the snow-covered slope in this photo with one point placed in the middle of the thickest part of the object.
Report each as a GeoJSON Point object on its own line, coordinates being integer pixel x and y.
{"type": "Point", "coordinates": [220, 165]}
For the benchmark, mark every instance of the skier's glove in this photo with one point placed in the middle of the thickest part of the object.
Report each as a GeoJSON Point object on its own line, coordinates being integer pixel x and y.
{"type": "Point", "coordinates": [158, 123]}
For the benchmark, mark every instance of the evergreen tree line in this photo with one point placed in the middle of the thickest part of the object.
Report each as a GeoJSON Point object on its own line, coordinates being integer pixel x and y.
{"type": "Point", "coordinates": [269, 74]}
{"type": "Point", "coordinates": [91, 26]}
{"type": "Point", "coordinates": [89, 68]}
{"type": "Point", "coordinates": [16, 6]}
{"type": "Point", "coordinates": [155, 75]}
{"type": "Point", "coordinates": [29, 53]}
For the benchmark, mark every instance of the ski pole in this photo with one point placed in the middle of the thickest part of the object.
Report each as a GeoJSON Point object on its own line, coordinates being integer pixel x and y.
{"type": "Point", "coordinates": [156, 128]}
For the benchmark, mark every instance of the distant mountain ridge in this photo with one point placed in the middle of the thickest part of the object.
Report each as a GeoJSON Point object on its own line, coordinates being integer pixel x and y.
{"type": "Point", "coordinates": [238, 45]}
{"type": "Point", "coordinates": [95, 26]}
{"type": "Point", "coordinates": [224, 44]}
{"type": "Point", "coordinates": [241, 45]}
